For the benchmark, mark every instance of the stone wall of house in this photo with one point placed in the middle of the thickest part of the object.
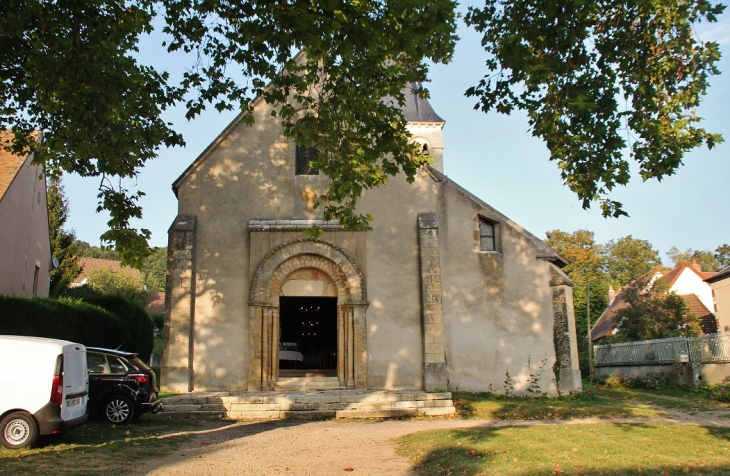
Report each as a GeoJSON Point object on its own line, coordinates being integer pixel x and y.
{"type": "Point", "coordinates": [25, 261]}
{"type": "Point", "coordinates": [497, 307]}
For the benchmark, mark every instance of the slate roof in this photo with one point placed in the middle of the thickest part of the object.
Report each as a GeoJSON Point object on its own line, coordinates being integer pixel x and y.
{"type": "Point", "coordinates": [418, 109]}
{"type": "Point", "coordinates": [605, 324]}
{"type": "Point", "coordinates": [89, 264]}
{"type": "Point", "coordinates": [10, 163]}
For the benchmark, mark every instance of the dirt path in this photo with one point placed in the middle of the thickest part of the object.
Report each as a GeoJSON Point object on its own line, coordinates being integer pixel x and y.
{"type": "Point", "coordinates": [331, 447]}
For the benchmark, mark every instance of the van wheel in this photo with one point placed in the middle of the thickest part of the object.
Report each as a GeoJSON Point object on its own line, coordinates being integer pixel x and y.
{"type": "Point", "coordinates": [18, 430]}
{"type": "Point", "coordinates": [118, 410]}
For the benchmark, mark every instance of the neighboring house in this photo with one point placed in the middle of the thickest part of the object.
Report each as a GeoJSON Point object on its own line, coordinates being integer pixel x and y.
{"type": "Point", "coordinates": [25, 247]}
{"type": "Point", "coordinates": [89, 264]}
{"type": "Point", "coordinates": [156, 303]}
{"type": "Point", "coordinates": [720, 283]}
{"type": "Point", "coordinates": [686, 280]}
{"type": "Point", "coordinates": [444, 293]}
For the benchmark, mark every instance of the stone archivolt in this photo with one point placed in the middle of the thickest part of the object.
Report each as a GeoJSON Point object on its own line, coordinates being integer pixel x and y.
{"type": "Point", "coordinates": [266, 288]}
{"type": "Point", "coordinates": [288, 257]}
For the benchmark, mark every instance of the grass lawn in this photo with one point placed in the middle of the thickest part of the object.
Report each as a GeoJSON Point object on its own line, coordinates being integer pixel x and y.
{"type": "Point", "coordinates": [693, 402]}
{"type": "Point", "coordinates": [490, 406]}
{"type": "Point", "coordinates": [591, 449]}
{"type": "Point", "coordinates": [97, 448]}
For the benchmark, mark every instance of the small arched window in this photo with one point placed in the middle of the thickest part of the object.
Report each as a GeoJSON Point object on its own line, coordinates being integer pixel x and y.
{"type": "Point", "coordinates": [487, 235]}
{"type": "Point", "coordinates": [306, 155]}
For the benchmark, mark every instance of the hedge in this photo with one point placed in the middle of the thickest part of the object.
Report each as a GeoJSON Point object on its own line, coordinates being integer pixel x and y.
{"type": "Point", "coordinates": [139, 324]}
{"type": "Point", "coordinates": [111, 321]}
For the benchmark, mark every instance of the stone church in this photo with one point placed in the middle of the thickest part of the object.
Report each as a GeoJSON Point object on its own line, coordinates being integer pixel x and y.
{"type": "Point", "coordinates": [444, 293]}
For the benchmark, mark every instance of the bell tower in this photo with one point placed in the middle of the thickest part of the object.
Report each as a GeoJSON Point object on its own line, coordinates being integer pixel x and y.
{"type": "Point", "coordinates": [425, 126]}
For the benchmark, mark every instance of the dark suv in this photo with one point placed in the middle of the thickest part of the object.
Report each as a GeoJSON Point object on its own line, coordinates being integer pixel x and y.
{"type": "Point", "coordinates": [121, 386]}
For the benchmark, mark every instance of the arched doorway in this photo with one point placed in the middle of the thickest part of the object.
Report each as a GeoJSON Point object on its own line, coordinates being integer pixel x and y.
{"type": "Point", "coordinates": [307, 274]}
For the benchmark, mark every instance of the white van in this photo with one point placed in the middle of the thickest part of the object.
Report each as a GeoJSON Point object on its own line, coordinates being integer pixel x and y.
{"type": "Point", "coordinates": [44, 387]}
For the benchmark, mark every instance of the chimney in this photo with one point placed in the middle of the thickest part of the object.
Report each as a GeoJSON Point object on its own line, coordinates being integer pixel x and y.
{"type": "Point", "coordinates": [611, 295]}
{"type": "Point", "coordinates": [696, 265]}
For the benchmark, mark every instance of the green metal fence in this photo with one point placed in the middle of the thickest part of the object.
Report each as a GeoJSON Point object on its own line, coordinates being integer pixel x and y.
{"type": "Point", "coordinates": [710, 348]}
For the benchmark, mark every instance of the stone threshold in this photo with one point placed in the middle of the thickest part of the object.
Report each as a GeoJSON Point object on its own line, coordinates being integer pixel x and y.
{"type": "Point", "coordinates": [308, 405]}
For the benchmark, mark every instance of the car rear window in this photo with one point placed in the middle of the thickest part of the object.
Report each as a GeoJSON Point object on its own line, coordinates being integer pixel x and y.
{"type": "Point", "coordinates": [95, 363]}
{"type": "Point", "coordinates": [117, 365]}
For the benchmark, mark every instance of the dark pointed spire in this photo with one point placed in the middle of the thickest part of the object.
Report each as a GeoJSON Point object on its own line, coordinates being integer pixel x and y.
{"type": "Point", "coordinates": [418, 109]}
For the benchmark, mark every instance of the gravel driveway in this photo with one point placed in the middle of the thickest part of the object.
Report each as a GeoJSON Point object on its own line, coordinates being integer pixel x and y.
{"type": "Point", "coordinates": [331, 447]}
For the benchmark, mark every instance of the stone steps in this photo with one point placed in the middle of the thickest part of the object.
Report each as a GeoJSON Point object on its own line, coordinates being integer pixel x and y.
{"type": "Point", "coordinates": [302, 404]}
{"type": "Point", "coordinates": [284, 384]}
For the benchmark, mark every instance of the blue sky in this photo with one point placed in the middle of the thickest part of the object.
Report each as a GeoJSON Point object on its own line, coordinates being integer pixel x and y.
{"type": "Point", "coordinates": [493, 156]}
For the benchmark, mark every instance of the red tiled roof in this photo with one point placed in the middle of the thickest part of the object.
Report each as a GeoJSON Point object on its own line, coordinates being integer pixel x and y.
{"type": "Point", "coordinates": [89, 264]}
{"type": "Point", "coordinates": [10, 163]}
{"type": "Point", "coordinates": [672, 276]}
{"type": "Point", "coordinates": [720, 275]}
{"type": "Point", "coordinates": [156, 303]}
{"type": "Point", "coordinates": [706, 317]}
{"type": "Point", "coordinates": [605, 324]}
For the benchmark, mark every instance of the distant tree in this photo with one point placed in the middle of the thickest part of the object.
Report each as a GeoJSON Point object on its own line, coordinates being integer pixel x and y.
{"type": "Point", "coordinates": [587, 262]}
{"type": "Point", "coordinates": [628, 259]}
{"type": "Point", "coordinates": [704, 258]}
{"type": "Point", "coordinates": [111, 281]}
{"type": "Point", "coordinates": [86, 250]}
{"type": "Point", "coordinates": [581, 250]}
{"type": "Point", "coordinates": [722, 256]}
{"type": "Point", "coordinates": [154, 269]}
{"type": "Point", "coordinates": [653, 313]}
{"type": "Point", "coordinates": [62, 240]}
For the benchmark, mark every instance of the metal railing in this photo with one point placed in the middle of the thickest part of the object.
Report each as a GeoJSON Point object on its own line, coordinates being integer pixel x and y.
{"type": "Point", "coordinates": [710, 348]}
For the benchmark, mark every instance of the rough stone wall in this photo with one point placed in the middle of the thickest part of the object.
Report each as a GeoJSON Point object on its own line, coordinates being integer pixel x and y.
{"type": "Point", "coordinates": [564, 332]}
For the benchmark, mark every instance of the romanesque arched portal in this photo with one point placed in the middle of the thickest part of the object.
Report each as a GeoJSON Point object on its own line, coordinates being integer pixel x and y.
{"type": "Point", "coordinates": [272, 274]}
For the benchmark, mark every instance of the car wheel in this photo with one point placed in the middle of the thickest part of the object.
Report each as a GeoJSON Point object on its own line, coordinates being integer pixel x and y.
{"type": "Point", "coordinates": [119, 410]}
{"type": "Point", "coordinates": [18, 430]}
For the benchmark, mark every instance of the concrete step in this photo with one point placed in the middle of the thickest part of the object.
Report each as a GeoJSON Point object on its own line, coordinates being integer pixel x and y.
{"type": "Point", "coordinates": [307, 383]}
{"type": "Point", "coordinates": [308, 405]}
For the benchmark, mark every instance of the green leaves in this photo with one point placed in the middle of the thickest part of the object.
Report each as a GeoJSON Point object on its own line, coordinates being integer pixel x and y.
{"type": "Point", "coordinates": [68, 69]}
{"type": "Point", "coordinates": [348, 87]}
{"type": "Point", "coordinates": [601, 82]}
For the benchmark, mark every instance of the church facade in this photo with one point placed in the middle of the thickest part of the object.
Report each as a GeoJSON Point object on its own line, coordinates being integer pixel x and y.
{"type": "Point", "coordinates": [444, 293]}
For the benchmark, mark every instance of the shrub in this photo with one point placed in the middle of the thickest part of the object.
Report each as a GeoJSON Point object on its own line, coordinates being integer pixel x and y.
{"type": "Point", "coordinates": [652, 380]}
{"type": "Point", "coordinates": [719, 392]}
{"type": "Point", "coordinates": [106, 281]}
{"type": "Point", "coordinates": [138, 324]}
{"type": "Point", "coordinates": [66, 319]}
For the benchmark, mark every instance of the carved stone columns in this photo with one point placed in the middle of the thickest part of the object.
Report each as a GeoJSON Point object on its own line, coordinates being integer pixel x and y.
{"type": "Point", "coordinates": [435, 372]}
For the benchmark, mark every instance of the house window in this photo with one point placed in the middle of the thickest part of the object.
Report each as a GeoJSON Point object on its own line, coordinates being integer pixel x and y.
{"type": "Point", "coordinates": [36, 277]}
{"type": "Point", "coordinates": [305, 156]}
{"type": "Point", "coordinates": [487, 235]}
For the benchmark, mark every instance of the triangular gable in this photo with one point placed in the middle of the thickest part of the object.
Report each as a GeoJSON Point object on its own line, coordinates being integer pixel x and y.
{"type": "Point", "coordinates": [544, 250]}
{"type": "Point", "coordinates": [221, 137]}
